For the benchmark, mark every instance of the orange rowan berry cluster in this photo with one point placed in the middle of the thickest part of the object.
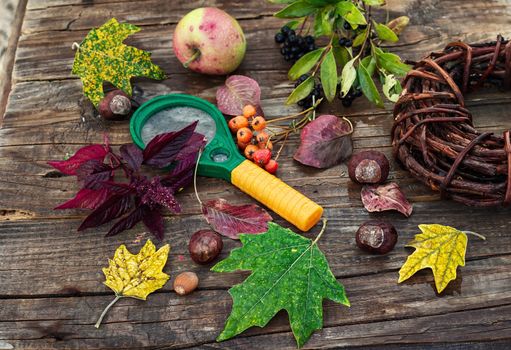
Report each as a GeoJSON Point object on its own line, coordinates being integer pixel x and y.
{"type": "Point", "coordinates": [252, 138]}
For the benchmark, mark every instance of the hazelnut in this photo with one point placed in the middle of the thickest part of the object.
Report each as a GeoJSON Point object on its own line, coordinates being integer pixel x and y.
{"type": "Point", "coordinates": [376, 236]}
{"type": "Point", "coordinates": [185, 283]}
{"type": "Point", "coordinates": [368, 167]}
{"type": "Point", "coordinates": [204, 246]}
{"type": "Point", "coordinates": [116, 104]}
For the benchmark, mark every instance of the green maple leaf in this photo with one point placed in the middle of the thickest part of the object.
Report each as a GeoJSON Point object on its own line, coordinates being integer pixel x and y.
{"type": "Point", "coordinates": [103, 57]}
{"type": "Point", "coordinates": [288, 272]}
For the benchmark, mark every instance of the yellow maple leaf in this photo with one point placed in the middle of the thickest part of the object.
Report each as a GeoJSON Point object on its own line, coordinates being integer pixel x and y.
{"type": "Point", "coordinates": [441, 248]}
{"type": "Point", "coordinates": [135, 276]}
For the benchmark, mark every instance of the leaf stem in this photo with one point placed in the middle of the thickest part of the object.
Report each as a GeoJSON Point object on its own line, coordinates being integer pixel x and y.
{"type": "Point", "coordinates": [196, 55]}
{"type": "Point", "coordinates": [475, 234]}
{"type": "Point", "coordinates": [320, 232]}
{"type": "Point", "coordinates": [117, 297]}
{"type": "Point", "coordinates": [314, 106]}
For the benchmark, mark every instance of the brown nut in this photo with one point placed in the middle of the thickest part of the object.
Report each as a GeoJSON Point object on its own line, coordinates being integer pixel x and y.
{"type": "Point", "coordinates": [115, 104]}
{"type": "Point", "coordinates": [376, 236]}
{"type": "Point", "coordinates": [185, 283]}
{"type": "Point", "coordinates": [204, 246]}
{"type": "Point", "coordinates": [368, 167]}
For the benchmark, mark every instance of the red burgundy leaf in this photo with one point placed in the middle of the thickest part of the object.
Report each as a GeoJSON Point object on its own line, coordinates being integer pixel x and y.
{"type": "Point", "coordinates": [112, 208]}
{"type": "Point", "coordinates": [132, 155]}
{"type": "Point", "coordinates": [94, 173]}
{"type": "Point", "coordinates": [156, 193]}
{"type": "Point", "coordinates": [154, 222]}
{"type": "Point", "coordinates": [163, 148]}
{"type": "Point", "coordinates": [127, 222]}
{"type": "Point", "coordinates": [84, 154]}
{"type": "Point", "coordinates": [385, 197]}
{"type": "Point", "coordinates": [231, 221]}
{"type": "Point", "coordinates": [326, 141]}
{"type": "Point", "coordinates": [86, 199]}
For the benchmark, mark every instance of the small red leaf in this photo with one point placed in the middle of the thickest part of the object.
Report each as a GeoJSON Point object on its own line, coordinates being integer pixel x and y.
{"type": "Point", "coordinates": [112, 208]}
{"type": "Point", "coordinates": [385, 197]}
{"type": "Point", "coordinates": [231, 221]}
{"type": "Point", "coordinates": [86, 199]}
{"type": "Point", "coordinates": [162, 150]}
{"type": "Point", "coordinates": [238, 92]}
{"type": "Point", "coordinates": [132, 155]}
{"type": "Point", "coordinates": [154, 222]}
{"type": "Point", "coordinates": [326, 141]}
{"type": "Point", "coordinates": [84, 154]}
{"type": "Point", "coordinates": [127, 222]}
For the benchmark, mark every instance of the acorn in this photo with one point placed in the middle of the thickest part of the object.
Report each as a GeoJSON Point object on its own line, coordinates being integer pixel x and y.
{"type": "Point", "coordinates": [185, 283]}
{"type": "Point", "coordinates": [368, 167]}
{"type": "Point", "coordinates": [376, 236]}
{"type": "Point", "coordinates": [115, 105]}
{"type": "Point", "coordinates": [204, 246]}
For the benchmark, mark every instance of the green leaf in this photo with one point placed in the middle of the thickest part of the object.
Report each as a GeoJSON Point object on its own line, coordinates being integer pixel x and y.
{"type": "Point", "coordinates": [370, 63]}
{"type": "Point", "coordinates": [301, 91]}
{"type": "Point", "coordinates": [374, 2]}
{"type": "Point", "coordinates": [323, 23]}
{"type": "Point", "coordinates": [298, 9]}
{"type": "Point", "coordinates": [290, 273]}
{"type": "Point", "coordinates": [348, 76]}
{"type": "Point", "coordinates": [282, 1]}
{"type": "Point", "coordinates": [295, 23]}
{"type": "Point", "coordinates": [329, 76]}
{"type": "Point", "coordinates": [391, 88]}
{"type": "Point", "coordinates": [368, 87]}
{"type": "Point", "coordinates": [385, 33]}
{"type": "Point", "coordinates": [342, 55]}
{"type": "Point", "coordinates": [360, 38]}
{"type": "Point", "coordinates": [392, 63]}
{"type": "Point", "coordinates": [350, 13]}
{"type": "Point", "coordinates": [305, 64]}
{"type": "Point", "coordinates": [103, 57]}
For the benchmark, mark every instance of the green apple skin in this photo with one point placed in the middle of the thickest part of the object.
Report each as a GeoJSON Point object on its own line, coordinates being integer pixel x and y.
{"type": "Point", "coordinates": [215, 38]}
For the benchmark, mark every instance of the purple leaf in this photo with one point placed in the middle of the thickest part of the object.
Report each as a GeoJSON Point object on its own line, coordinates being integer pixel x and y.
{"type": "Point", "coordinates": [154, 222]}
{"type": "Point", "coordinates": [385, 197]}
{"type": "Point", "coordinates": [132, 155]}
{"type": "Point", "coordinates": [231, 221]}
{"type": "Point", "coordinates": [238, 92]}
{"type": "Point", "coordinates": [86, 199]}
{"type": "Point", "coordinates": [127, 221]}
{"type": "Point", "coordinates": [155, 193]}
{"type": "Point", "coordinates": [84, 154]}
{"type": "Point", "coordinates": [163, 149]}
{"type": "Point", "coordinates": [326, 141]}
{"type": "Point", "coordinates": [112, 208]}
{"type": "Point", "coordinates": [94, 173]}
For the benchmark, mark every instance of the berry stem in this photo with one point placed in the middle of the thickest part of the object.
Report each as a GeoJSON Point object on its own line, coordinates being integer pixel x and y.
{"type": "Point", "coordinates": [195, 56]}
{"type": "Point", "coordinates": [294, 116]}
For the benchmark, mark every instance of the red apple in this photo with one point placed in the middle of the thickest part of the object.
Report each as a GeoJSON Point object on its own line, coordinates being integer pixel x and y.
{"type": "Point", "coordinates": [208, 40]}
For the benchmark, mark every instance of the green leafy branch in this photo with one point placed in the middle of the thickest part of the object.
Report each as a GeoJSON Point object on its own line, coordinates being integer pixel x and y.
{"type": "Point", "coordinates": [361, 63]}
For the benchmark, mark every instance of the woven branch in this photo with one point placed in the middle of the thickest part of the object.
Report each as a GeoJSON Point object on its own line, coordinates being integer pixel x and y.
{"type": "Point", "coordinates": [433, 135]}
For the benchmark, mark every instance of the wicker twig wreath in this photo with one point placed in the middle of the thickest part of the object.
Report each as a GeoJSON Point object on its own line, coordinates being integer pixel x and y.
{"type": "Point", "coordinates": [433, 135]}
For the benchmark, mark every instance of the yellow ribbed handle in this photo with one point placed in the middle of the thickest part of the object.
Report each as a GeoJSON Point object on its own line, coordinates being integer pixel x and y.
{"type": "Point", "coordinates": [276, 195]}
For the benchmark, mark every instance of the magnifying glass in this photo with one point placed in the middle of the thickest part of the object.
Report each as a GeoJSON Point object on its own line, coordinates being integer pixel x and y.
{"type": "Point", "coordinates": [221, 158]}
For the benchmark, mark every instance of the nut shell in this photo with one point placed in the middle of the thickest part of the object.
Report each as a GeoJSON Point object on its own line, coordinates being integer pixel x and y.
{"type": "Point", "coordinates": [376, 236]}
{"type": "Point", "coordinates": [369, 167]}
{"type": "Point", "coordinates": [204, 246]}
{"type": "Point", "coordinates": [185, 283]}
{"type": "Point", "coordinates": [116, 104]}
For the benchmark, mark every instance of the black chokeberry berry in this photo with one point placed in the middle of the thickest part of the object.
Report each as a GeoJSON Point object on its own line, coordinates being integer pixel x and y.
{"type": "Point", "coordinates": [285, 29]}
{"type": "Point", "coordinates": [291, 38]}
{"type": "Point", "coordinates": [349, 43]}
{"type": "Point", "coordinates": [309, 39]}
{"type": "Point", "coordinates": [347, 26]}
{"type": "Point", "coordinates": [342, 42]}
{"type": "Point", "coordinates": [346, 102]}
{"type": "Point", "coordinates": [280, 38]}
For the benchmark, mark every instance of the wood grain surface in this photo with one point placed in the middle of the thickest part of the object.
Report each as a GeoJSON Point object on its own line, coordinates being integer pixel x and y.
{"type": "Point", "coordinates": [51, 290]}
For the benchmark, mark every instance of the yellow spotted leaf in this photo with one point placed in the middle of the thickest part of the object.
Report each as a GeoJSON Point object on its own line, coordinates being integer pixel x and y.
{"type": "Point", "coordinates": [440, 248]}
{"type": "Point", "coordinates": [102, 56]}
{"type": "Point", "coordinates": [135, 276]}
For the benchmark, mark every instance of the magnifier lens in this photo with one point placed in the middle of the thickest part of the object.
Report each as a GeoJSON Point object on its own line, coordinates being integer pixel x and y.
{"type": "Point", "coordinates": [176, 118]}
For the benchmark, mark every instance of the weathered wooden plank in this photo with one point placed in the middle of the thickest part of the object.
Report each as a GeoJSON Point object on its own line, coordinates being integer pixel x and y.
{"type": "Point", "coordinates": [30, 248]}
{"type": "Point", "coordinates": [166, 318]}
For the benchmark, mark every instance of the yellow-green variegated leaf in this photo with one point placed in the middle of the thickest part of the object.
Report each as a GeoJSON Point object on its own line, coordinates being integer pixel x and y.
{"type": "Point", "coordinates": [103, 57]}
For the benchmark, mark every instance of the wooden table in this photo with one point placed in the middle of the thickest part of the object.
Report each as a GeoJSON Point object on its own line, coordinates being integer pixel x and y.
{"type": "Point", "coordinates": [51, 290]}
